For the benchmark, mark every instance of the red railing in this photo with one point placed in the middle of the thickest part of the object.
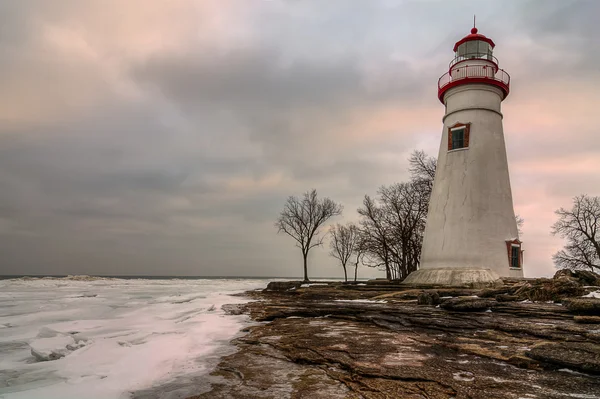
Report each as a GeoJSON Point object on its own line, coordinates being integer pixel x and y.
{"type": "Point", "coordinates": [474, 57]}
{"type": "Point", "coordinates": [486, 74]}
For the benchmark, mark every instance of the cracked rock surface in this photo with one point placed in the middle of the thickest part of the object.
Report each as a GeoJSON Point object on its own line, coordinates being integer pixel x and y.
{"type": "Point", "coordinates": [332, 342]}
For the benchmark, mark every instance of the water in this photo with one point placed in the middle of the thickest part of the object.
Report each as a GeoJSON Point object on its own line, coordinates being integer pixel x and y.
{"type": "Point", "coordinates": [118, 336]}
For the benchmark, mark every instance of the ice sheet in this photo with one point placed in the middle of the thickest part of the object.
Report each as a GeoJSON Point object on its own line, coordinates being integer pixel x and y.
{"type": "Point", "coordinates": [114, 336]}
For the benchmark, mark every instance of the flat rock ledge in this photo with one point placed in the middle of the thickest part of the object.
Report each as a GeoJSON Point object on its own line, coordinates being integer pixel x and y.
{"type": "Point", "coordinates": [381, 340]}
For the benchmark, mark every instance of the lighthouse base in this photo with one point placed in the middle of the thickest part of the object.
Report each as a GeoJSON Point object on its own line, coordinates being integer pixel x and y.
{"type": "Point", "coordinates": [454, 277]}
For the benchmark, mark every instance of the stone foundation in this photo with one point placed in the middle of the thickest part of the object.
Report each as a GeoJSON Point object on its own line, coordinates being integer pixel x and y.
{"type": "Point", "coordinates": [454, 277]}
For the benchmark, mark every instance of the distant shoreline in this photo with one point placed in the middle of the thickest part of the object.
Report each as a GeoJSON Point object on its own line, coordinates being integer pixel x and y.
{"type": "Point", "coordinates": [144, 277]}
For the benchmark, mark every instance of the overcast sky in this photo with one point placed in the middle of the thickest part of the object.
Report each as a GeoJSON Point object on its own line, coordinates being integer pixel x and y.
{"type": "Point", "coordinates": [162, 137]}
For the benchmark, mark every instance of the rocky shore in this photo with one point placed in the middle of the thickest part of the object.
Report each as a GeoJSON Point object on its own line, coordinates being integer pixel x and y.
{"type": "Point", "coordinates": [536, 338]}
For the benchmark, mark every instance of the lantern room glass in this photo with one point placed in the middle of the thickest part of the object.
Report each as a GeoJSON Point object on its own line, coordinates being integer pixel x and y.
{"type": "Point", "coordinates": [474, 49]}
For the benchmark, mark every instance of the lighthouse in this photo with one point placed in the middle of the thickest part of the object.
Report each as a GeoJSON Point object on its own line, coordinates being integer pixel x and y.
{"type": "Point", "coordinates": [471, 235]}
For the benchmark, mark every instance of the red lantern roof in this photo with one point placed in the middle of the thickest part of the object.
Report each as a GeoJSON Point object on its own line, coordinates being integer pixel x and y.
{"type": "Point", "coordinates": [474, 36]}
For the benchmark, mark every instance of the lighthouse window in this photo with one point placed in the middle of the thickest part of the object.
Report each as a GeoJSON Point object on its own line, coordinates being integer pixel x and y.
{"type": "Point", "coordinates": [472, 49]}
{"type": "Point", "coordinates": [514, 256]}
{"type": "Point", "coordinates": [458, 138]}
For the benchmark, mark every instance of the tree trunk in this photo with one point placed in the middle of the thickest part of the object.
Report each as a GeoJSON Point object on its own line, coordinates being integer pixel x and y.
{"type": "Point", "coordinates": [305, 255]}
{"type": "Point", "coordinates": [345, 274]}
{"type": "Point", "coordinates": [355, 271]}
{"type": "Point", "coordinates": [388, 272]}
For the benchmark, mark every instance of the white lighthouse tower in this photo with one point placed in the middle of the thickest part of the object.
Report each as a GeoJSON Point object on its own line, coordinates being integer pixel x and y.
{"type": "Point", "coordinates": [471, 235]}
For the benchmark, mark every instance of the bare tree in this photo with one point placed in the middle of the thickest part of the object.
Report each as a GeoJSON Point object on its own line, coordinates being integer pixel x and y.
{"type": "Point", "coordinates": [376, 241]}
{"type": "Point", "coordinates": [405, 206]}
{"type": "Point", "coordinates": [344, 241]}
{"type": "Point", "coordinates": [581, 227]}
{"type": "Point", "coordinates": [302, 218]}
{"type": "Point", "coordinates": [392, 226]}
{"type": "Point", "coordinates": [520, 222]}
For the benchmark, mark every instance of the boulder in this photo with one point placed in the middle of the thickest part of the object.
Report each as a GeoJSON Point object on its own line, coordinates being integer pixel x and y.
{"type": "Point", "coordinates": [234, 308]}
{"type": "Point", "coordinates": [283, 285]}
{"type": "Point", "coordinates": [428, 298]}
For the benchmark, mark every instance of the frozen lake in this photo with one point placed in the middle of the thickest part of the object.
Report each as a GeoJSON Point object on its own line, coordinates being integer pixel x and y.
{"type": "Point", "coordinates": [105, 339]}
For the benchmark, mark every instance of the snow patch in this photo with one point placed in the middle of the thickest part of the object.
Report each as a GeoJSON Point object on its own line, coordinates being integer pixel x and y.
{"type": "Point", "coordinates": [359, 300]}
{"type": "Point", "coordinates": [464, 376]}
{"type": "Point", "coordinates": [593, 294]}
{"type": "Point", "coordinates": [571, 371]}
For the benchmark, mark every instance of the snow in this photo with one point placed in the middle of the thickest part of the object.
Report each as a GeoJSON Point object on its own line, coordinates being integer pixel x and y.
{"type": "Point", "coordinates": [359, 300]}
{"type": "Point", "coordinates": [312, 285]}
{"type": "Point", "coordinates": [101, 338]}
{"type": "Point", "coordinates": [593, 294]}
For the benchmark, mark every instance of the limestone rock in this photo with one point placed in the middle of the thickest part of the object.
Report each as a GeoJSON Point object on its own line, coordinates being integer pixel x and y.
{"type": "Point", "coordinates": [589, 306]}
{"type": "Point", "coordinates": [580, 356]}
{"type": "Point", "coordinates": [468, 304]}
{"type": "Point", "coordinates": [506, 298]}
{"type": "Point", "coordinates": [584, 277]}
{"type": "Point", "coordinates": [587, 319]}
{"type": "Point", "coordinates": [493, 292]}
{"type": "Point", "coordinates": [551, 289]}
{"type": "Point", "coordinates": [313, 346]}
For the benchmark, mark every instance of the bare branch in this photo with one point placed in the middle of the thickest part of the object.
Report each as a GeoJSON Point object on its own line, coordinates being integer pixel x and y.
{"type": "Point", "coordinates": [579, 226]}
{"type": "Point", "coordinates": [520, 222]}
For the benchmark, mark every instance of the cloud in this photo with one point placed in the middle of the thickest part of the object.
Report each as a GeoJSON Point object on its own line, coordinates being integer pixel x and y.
{"type": "Point", "coordinates": [163, 137]}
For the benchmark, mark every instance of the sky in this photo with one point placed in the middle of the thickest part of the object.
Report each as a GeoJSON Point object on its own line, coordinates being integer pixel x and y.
{"type": "Point", "coordinates": [163, 137]}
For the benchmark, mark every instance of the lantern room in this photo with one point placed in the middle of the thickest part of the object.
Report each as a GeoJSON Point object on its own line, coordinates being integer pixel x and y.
{"type": "Point", "coordinates": [474, 46]}
{"type": "Point", "coordinates": [474, 62]}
